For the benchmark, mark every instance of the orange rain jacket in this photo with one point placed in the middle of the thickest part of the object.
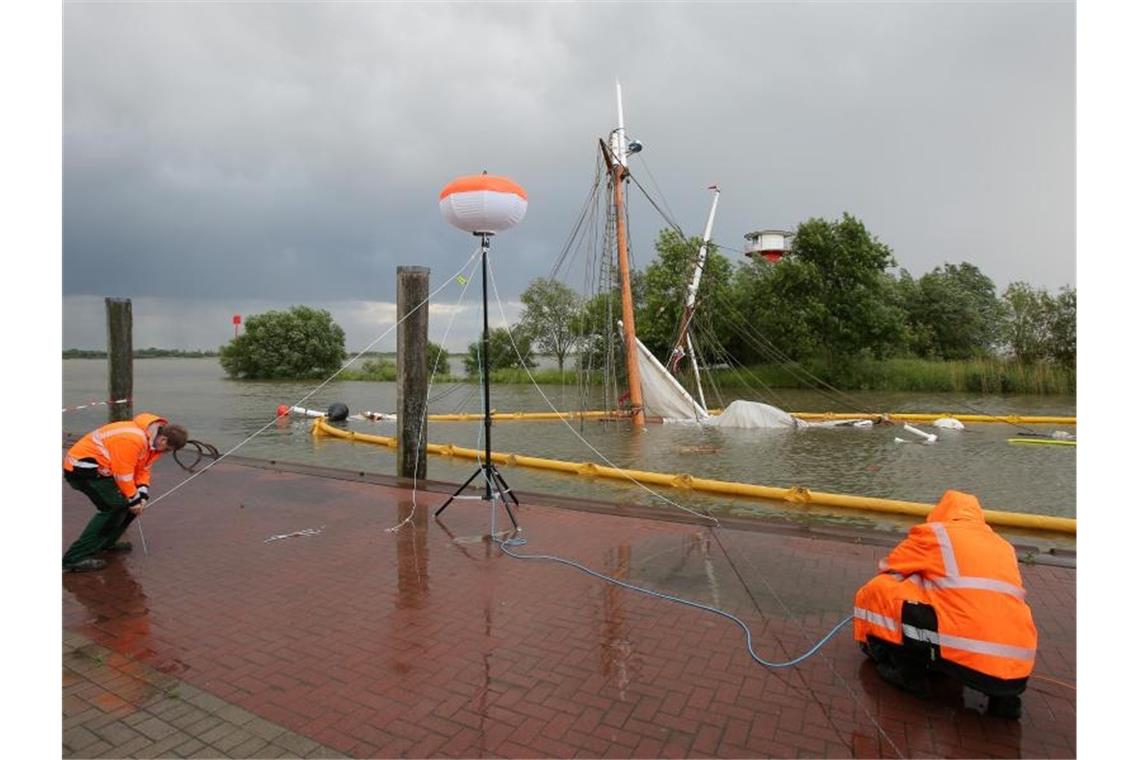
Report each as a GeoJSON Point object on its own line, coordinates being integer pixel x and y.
{"type": "Point", "coordinates": [123, 450]}
{"type": "Point", "coordinates": [955, 563]}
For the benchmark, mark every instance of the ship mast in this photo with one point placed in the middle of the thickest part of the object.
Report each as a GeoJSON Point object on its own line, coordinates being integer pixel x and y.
{"type": "Point", "coordinates": [617, 157]}
{"type": "Point", "coordinates": [684, 340]}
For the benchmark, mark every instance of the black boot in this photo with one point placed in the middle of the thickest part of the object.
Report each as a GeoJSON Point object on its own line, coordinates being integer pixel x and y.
{"type": "Point", "coordinates": [86, 565]}
{"type": "Point", "coordinates": [901, 674]}
{"type": "Point", "coordinates": [120, 547]}
{"type": "Point", "coordinates": [1004, 707]}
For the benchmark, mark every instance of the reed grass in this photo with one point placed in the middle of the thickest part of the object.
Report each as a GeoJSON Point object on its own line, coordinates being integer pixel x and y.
{"type": "Point", "coordinates": [986, 376]}
{"type": "Point", "coordinates": [989, 376]}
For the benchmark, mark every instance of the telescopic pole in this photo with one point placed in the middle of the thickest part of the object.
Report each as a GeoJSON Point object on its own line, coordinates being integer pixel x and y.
{"type": "Point", "coordinates": [486, 369]}
{"type": "Point", "coordinates": [492, 478]}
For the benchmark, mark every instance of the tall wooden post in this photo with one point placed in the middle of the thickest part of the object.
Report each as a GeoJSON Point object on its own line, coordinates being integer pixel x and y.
{"type": "Point", "coordinates": [120, 360]}
{"type": "Point", "coordinates": [411, 371]}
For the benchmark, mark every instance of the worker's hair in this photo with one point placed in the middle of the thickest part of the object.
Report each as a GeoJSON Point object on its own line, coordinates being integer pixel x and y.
{"type": "Point", "coordinates": [176, 436]}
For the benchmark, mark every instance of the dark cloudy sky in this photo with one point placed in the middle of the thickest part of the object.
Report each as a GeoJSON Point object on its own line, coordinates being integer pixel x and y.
{"type": "Point", "coordinates": [230, 158]}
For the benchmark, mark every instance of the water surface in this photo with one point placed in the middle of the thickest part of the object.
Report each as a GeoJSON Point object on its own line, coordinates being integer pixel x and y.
{"type": "Point", "coordinates": [227, 413]}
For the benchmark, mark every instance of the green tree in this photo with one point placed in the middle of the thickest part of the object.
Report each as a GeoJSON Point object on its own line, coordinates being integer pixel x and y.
{"type": "Point", "coordinates": [765, 329]}
{"type": "Point", "coordinates": [300, 343]}
{"type": "Point", "coordinates": [502, 354]}
{"type": "Point", "coordinates": [953, 312]}
{"type": "Point", "coordinates": [1062, 321]}
{"type": "Point", "coordinates": [596, 325]}
{"type": "Point", "coordinates": [549, 310]}
{"type": "Point", "coordinates": [666, 284]}
{"type": "Point", "coordinates": [1025, 329]}
{"type": "Point", "coordinates": [830, 297]}
{"type": "Point", "coordinates": [918, 337]}
{"type": "Point", "coordinates": [437, 360]}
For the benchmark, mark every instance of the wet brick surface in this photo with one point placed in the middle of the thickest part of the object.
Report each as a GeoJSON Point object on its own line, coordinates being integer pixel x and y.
{"type": "Point", "coordinates": [429, 641]}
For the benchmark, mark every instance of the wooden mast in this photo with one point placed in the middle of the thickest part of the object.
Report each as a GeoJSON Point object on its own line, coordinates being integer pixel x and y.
{"type": "Point", "coordinates": [616, 159]}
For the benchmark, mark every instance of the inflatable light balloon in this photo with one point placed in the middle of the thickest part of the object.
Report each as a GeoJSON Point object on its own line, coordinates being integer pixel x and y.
{"type": "Point", "coordinates": [483, 204]}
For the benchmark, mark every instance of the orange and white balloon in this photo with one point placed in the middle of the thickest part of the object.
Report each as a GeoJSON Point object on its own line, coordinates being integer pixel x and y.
{"type": "Point", "coordinates": [483, 203]}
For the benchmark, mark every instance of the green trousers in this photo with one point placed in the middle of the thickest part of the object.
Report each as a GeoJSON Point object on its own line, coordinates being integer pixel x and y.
{"type": "Point", "coordinates": [108, 524]}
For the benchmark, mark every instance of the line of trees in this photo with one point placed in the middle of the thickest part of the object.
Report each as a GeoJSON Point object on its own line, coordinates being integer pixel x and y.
{"type": "Point", "coordinates": [140, 353]}
{"type": "Point", "coordinates": [832, 299]}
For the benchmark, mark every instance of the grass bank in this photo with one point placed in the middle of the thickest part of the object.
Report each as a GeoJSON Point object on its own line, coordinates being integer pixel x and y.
{"type": "Point", "coordinates": [967, 376]}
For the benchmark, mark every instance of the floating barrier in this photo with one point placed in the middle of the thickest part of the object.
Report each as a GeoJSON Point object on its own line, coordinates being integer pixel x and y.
{"type": "Point", "coordinates": [505, 416]}
{"type": "Point", "coordinates": [1012, 419]}
{"type": "Point", "coordinates": [794, 495]}
{"type": "Point", "coordinates": [1042, 441]}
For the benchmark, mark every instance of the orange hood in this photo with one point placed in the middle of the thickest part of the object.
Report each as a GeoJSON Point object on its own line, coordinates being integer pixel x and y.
{"type": "Point", "coordinates": [955, 506]}
{"type": "Point", "coordinates": [150, 423]}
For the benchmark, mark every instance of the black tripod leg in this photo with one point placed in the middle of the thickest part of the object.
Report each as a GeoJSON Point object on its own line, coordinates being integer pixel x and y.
{"type": "Point", "coordinates": [505, 489]}
{"type": "Point", "coordinates": [458, 491]}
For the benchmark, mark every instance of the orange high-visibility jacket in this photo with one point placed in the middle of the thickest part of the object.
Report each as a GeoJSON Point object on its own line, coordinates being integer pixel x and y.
{"type": "Point", "coordinates": [123, 450]}
{"type": "Point", "coordinates": [969, 575]}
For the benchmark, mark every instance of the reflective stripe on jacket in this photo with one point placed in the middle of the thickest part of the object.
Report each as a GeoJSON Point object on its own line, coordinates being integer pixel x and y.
{"type": "Point", "coordinates": [955, 563]}
{"type": "Point", "coordinates": [122, 450]}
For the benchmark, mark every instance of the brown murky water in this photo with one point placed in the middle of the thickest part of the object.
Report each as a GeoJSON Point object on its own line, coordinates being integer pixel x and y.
{"type": "Point", "coordinates": [1037, 479]}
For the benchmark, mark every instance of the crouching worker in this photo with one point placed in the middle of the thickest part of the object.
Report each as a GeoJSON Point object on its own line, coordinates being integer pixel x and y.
{"type": "Point", "coordinates": [949, 599]}
{"type": "Point", "coordinates": [111, 466]}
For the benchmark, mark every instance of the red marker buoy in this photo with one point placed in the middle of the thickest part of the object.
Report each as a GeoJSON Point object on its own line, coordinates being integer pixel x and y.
{"type": "Point", "coordinates": [282, 410]}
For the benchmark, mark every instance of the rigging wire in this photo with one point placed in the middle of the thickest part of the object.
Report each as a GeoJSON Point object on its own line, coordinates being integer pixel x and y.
{"type": "Point", "coordinates": [664, 201]}
{"type": "Point", "coordinates": [590, 446]}
{"type": "Point", "coordinates": [587, 207]}
{"type": "Point", "coordinates": [786, 360]}
{"type": "Point", "coordinates": [653, 203]}
{"type": "Point", "coordinates": [818, 381]}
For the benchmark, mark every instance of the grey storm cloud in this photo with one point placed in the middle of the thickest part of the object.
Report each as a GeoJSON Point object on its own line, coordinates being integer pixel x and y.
{"type": "Point", "coordinates": [293, 153]}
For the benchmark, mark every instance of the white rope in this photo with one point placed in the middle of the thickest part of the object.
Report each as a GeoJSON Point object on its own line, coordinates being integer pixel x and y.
{"type": "Point", "coordinates": [313, 392]}
{"type": "Point", "coordinates": [296, 534]}
{"type": "Point", "coordinates": [422, 439]}
{"type": "Point", "coordinates": [577, 435]}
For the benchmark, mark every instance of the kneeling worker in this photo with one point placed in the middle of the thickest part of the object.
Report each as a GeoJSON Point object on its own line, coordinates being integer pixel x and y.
{"type": "Point", "coordinates": [949, 598]}
{"type": "Point", "coordinates": [111, 466]}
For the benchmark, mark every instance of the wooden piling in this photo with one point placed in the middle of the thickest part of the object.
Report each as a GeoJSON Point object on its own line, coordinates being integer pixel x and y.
{"type": "Point", "coordinates": [120, 360]}
{"type": "Point", "coordinates": [411, 370]}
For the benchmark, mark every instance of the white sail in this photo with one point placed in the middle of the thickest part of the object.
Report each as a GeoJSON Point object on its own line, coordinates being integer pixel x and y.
{"type": "Point", "coordinates": [664, 397]}
{"type": "Point", "coordinates": [661, 394]}
{"type": "Point", "coordinates": [753, 414]}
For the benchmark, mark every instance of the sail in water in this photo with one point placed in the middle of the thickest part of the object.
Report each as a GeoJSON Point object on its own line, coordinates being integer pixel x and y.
{"type": "Point", "coordinates": [665, 398]}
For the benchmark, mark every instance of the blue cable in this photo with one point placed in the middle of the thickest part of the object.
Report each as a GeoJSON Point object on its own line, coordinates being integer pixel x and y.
{"type": "Point", "coordinates": [520, 541]}
{"type": "Point", "coordinates": [747, 633]}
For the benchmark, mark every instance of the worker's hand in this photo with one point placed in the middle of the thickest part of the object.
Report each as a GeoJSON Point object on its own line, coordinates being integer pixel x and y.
{"type": "Point", "coordinates": [136, 509]}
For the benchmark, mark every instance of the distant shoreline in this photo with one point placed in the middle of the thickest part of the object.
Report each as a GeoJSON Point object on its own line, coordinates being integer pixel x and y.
{"type": "Point", "coordinates": [142, 353]}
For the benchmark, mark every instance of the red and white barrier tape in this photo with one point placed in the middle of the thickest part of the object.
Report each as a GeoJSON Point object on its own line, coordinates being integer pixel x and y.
{"type": "Point", "coordinates": [95, 403]}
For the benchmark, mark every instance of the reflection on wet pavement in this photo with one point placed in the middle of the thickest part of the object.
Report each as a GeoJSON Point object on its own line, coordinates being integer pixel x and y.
{"type": "Point", "coordinates": [429, 641]}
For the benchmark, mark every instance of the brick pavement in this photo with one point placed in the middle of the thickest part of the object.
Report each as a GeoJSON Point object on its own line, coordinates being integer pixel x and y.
{"type": "Point", "coordinates": [428, 641]}
{"type": "Point", "coordinates": [115, 706]}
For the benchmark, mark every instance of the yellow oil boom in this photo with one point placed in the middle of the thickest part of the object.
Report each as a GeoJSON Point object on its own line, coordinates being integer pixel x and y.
{"type": "Point", "coordinates": [1012, 419]}
{"type": "Point", "coordinates": [794, 495]}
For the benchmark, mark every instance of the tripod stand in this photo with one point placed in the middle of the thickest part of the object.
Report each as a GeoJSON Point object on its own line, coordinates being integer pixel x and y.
{"type": "Point", "coordinates": [487, 468]}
